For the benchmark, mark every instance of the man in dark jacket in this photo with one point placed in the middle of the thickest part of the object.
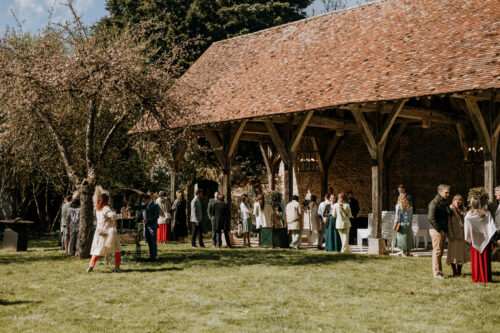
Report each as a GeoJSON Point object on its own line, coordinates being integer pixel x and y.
{"type": "Point", "coordinates": [494, 208]}
{"type": "Point", "coordinates": [221, 219]}
{"type": "Point", "coordinates": [210, 212]}
{"type": "Point", "coordinates": [150, 215]}
{"type": "Point", "coordinates": [438, 215]}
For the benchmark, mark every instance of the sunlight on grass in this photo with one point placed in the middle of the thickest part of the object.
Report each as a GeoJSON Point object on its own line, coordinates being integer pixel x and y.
{"type": "Point", "coordinates": [239, 290]}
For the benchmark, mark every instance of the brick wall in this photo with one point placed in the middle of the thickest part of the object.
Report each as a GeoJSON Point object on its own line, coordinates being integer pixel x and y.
{"type": "Point", "coordinates": [424, 159]}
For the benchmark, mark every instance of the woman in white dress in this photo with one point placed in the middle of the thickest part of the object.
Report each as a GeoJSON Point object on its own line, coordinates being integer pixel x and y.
{"type": "Point", "coordinates": [263, 213]}
{"type": "Point", "coordinates": [246, 220]}
{"type": "Point", "coordinates": [106, 239]}
{"type": "Point", "coordinates": [311, 221]}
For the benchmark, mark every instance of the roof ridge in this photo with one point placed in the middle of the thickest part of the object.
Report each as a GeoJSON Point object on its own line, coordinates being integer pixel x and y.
{"type": "Point", "coordinates": [332, 13]}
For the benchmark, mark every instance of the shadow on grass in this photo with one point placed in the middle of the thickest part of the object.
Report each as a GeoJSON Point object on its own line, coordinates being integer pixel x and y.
{"type": "Point", "coordinates": [151, 270]}
{"type": "Point", "coordinates": [26, 257]}
{"type": "Point", "coordinates": [236, 257]}
{"type": "Point", "coordinates": [4, 302]}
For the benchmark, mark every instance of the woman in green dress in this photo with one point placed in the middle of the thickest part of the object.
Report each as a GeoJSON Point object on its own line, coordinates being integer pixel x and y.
{"type": "Point", "coordinates": [332, 236]}
{"type": "Point", "coordinates": [402, 225]}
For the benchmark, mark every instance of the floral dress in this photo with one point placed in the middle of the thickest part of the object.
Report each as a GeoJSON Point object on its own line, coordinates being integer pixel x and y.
{"type": "Point", "coordinates": [404, 237]}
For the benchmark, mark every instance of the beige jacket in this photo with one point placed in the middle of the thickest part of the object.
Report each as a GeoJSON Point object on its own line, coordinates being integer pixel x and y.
{"type": "Point", "coordinates": [293, 215]}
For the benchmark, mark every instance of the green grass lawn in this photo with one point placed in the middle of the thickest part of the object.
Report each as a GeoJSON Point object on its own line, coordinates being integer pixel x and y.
{"type": "Point", "coordinates": [240, 290]}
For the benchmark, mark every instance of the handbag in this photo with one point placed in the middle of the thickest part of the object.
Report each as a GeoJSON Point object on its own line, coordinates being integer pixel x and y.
{"type": "Point", "coordinates": [397, 226]}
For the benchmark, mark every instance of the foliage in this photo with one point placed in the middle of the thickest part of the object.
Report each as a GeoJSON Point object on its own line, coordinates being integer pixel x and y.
{"type": "Point", "coordinates": [71, 93]}
{"type": "Point", "coordinates": [197, 24]}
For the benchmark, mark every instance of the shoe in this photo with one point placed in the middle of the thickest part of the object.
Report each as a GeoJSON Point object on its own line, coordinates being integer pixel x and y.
{"type": "Point", "coordinates": [90, 269]}
{"type": "Point", "coordinates": [439, 277]}
{"type": "Point", "coordinates": [116, 270]}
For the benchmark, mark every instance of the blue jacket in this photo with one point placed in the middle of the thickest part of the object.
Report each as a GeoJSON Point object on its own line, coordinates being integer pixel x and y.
{"type": "Point", "coordinates": [151, 213]}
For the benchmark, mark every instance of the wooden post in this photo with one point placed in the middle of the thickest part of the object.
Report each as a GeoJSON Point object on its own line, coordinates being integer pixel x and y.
{"type": "Point", "coordinates": [487, 135]}
{"type": "Point", "coordinates": [376, 141]}
{"type": "Point", "coordinates": [173, 185]}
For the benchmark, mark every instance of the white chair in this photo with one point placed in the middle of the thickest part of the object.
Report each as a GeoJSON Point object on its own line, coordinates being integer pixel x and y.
{"type": "Point", "coordinates": [362, 234]}
{"type": "Point", "coordinates": [420, 227]}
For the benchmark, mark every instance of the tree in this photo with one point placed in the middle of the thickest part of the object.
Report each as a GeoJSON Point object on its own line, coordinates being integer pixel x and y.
{"type": "Point", "coordinates": [79, 90]}
{"type": "Point", "coordinates": [198, 23]}
{"type": "Point", "coordinates": [333, 5]}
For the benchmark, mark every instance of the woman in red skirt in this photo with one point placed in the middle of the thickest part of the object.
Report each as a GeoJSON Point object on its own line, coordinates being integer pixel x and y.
{"type": "Point", "coordinates": [479, 229]}
{"type": "Point", "coordinates": [165, 218]}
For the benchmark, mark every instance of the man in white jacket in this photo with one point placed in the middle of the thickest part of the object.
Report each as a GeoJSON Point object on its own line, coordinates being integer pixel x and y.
{"type": "Point", "coordinates": [293, 219]}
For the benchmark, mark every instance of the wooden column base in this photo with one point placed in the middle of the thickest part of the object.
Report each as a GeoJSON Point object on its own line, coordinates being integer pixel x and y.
{"type": "Point", "coordinates": [376, 246]}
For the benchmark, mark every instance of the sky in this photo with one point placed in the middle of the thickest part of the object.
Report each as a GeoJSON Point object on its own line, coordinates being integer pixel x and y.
{"type": "Point", "coordinates": [34, 14]}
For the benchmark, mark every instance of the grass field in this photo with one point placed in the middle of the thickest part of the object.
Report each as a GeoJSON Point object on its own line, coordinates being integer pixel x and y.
{"type": "Point", "coordinates": [240, 290]}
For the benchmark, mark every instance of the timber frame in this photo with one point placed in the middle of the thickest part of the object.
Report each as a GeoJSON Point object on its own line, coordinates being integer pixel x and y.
{"type": "Point", "coordinates": [380, 124]}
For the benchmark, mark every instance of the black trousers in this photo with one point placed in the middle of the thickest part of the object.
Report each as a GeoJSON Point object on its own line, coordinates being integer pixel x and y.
{"type": "Point", "coordinates": [196, 231]}
{"type": "Point", "coordinates": [218, 238]}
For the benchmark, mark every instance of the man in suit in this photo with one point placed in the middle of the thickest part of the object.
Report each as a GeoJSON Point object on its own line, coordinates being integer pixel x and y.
{"type": "Point", "coordinates": [150, 215]}
{"type": "Point", "coordinates": [197, 219]}
{"type": "Point", "coordinates": [221, 220]}
{"type": "Point", "coordinates": [211, 216]}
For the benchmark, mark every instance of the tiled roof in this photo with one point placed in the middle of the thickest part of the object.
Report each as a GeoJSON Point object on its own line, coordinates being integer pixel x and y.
{"type": "Point", "coordinates": [381, 51]}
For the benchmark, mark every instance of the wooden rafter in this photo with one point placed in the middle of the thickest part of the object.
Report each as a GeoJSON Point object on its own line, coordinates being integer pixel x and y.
{"type": "Point", "coordinates": [462, 140]}
{"type": "Point", "coordinates": [366, 133]}
{"type": "Point", "coordinates": [235, 139]}
{"type": "Point", "coordinates": [330, 152]}
{"type": "Point", "coordinates": [396, 111]}
{"type": "Point", "coordinates": [277, 140]}
{"type": "Point", "coordinates": [217, 146]}
{"type": "Point", "coordinates": [479, 122]}
{"type": "Point", "coordinates": [299, 132]}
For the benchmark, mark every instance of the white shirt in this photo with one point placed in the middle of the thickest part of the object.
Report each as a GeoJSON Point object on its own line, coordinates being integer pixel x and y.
{"type": "Point", "coordinates": [245, 211]}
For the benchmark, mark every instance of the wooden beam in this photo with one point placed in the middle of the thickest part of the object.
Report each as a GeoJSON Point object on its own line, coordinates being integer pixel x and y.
{"type": "Point", "coordinates": [297, 136]}
{"type": "Point", "coordinates": [366, 133]}
{"type": "Point", "coordinates": [277, 141]}
{"type": "Point", "coordinates": [330, 151]}
{"type": "Point", "coordinates": [479, 122]}
{"type": "Point", "coordinates": [217, 146]}
{"type": "Point", "coordinates": [320, 158]}
{"type": "Point", "coordinates": [235, 138]}
{"type": "Point", "coordinates": [462, 140]}
{"type": "Point", "coordinates": [397, 108]}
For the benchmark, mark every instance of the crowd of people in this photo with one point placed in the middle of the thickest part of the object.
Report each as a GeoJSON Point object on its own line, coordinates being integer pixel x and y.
{"type": "Point", "coordinates": [325, 225]}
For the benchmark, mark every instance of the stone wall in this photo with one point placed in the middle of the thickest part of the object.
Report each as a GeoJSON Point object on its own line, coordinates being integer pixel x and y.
{"type": "Point", "coordinates": [424, 159]}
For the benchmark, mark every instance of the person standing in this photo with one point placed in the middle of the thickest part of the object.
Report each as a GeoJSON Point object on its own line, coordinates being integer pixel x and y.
{"type": "Point", "coordinates": [221, 219]}
{"type": "Point", "coordinates": [64, 222]}
{"type": "Point", "coordinates": [293, 219]}
{"type": "Point", "coordinates": [165, 219]}
{"type": "Point", "coordinates": [343, 215]}
{"type": "Point", "coordinates": [312, 221]}
{"type": "Point", "coordinates": [456, 241]}
{"type": "Point", "coordinates": [74, 225]}
{"type": "Point", "coordinates": [494, 208]}
{"type": "Point", "coordinates": [438, 215]}
{"type": "Point", "coordinates": [479, 231]}
{"type": "Point", "coordinates": [179, 223]}
{"type": "Point", "coordinates": [246, 221]}
{"type": "Point", "coordinates": [263, 215]}
{"type": "Point", "coordinates": [150, 215]}
{"type": "Point", "coordinates": [402, 225]}
{"type": "Point", "coordinates": [353, 203]}
{"type": "Point", "coordinates": [106, 240]}
{"type": "Point", "coordinates": [323, 215]}
{"type": "Point", "coordinates": [197, 219]}
{"type": "Point", "coordinates": [211, 216]}
{"type": "Point", "coordinates": [332, 236]}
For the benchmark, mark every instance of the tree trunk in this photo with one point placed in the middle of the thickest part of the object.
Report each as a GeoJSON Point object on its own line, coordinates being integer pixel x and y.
{"type": "Point", "coordinates": [86, 218]}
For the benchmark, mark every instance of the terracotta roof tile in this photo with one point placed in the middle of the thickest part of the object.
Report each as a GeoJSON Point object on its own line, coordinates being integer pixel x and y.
{"type": "Point", "coordinates": [382, 51]}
